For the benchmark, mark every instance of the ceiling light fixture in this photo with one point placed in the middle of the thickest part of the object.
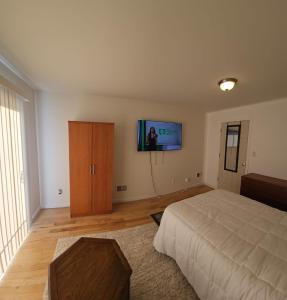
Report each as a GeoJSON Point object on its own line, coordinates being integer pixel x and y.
{"type": "Point", "coordinates": [227, 84]}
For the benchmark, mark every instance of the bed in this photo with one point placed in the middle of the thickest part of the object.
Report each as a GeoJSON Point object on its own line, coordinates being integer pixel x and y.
{"type": "Point", "coordinates": [227, 246]}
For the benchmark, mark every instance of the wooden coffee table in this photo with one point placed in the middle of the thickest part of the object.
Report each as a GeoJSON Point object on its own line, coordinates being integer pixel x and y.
{"type": "Point", "coordinates": [90, 269]}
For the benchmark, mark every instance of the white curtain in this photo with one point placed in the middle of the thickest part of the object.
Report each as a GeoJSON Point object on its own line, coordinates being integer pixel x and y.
{"type": "Point", "coordinates": [13, 214]}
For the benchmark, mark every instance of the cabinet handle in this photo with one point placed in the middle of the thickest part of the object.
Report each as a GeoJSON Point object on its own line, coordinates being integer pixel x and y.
{"type": "Point", "coordinates": [91, 169]}
{"type": "Point", "coordinates": [94, 169]}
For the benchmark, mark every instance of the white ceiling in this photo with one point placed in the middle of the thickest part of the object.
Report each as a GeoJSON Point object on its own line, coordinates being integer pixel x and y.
{"type": "Point", "coordinates": [172, 51]}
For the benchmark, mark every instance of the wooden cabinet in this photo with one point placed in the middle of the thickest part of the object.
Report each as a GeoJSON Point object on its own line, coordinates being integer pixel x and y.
{"type": "Point", "coordinates": [268, 190]}
{"type": "Point", "coordinates": [91, 150]}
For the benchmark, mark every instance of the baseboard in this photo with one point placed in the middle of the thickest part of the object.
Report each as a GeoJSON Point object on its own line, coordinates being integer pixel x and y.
{"type": "Point", "coordinates": [134, 198]}
{"type": "Point", "coordinates": [146, 196]}
{"type": "Point", "coordinates": [210, 186]}
{"type": "Point", "coordinates": [121, 200]}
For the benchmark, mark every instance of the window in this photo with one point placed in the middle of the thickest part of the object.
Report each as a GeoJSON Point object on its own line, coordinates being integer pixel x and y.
{"type": "Point", "coordinates": [13, 215]}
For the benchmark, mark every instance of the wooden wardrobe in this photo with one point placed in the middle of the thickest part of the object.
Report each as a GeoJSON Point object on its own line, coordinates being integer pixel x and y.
{"type": "Point", "coordinates": [91, 150]}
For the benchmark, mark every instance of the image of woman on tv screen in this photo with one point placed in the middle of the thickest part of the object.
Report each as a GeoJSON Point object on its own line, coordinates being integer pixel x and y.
{"type": "Point", "coordinates": [152, 139]}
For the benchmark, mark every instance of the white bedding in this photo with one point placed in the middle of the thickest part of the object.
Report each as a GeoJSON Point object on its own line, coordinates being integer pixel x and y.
{"type": "Point", "coordinates": [228, 246]}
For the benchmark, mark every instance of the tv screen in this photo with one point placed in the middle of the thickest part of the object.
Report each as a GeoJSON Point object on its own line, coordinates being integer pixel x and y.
{"type": "Point", "coordinates": [159, 136]}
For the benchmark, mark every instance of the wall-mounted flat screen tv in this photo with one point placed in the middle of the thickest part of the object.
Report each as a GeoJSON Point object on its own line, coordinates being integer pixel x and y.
{"type": "Point", "coordinates": [159, 136]}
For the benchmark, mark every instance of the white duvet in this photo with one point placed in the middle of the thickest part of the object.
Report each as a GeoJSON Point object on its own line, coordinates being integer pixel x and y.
{"type": "Point", "coordinates": [228, 246]}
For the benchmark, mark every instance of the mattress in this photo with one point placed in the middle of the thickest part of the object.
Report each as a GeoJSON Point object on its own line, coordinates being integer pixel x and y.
{"type": "Point", "coordinates": [227, 246]}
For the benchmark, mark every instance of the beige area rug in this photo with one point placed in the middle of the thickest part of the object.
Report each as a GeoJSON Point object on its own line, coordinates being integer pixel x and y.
{"type": "Point", "coordinates": [155, 276]}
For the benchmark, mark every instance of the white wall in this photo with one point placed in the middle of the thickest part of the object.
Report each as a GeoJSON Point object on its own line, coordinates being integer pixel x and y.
{"type": "Point", "coordinates": [267, 147]}
{"type": "Point", "coordinates": [9, 79]}
{"type": "Point", "coordinates": [131, 167]}
{"type": "Point", "coordinates": [32, 157]}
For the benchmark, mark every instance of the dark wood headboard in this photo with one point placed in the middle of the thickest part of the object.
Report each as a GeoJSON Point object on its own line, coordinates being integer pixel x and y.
{"type": "Point", "coordinates": [268, 190]}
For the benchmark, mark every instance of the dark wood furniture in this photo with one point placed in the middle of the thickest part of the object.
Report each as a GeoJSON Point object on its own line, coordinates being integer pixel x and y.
{"type": "Point", "coordinates": [268, 190]}
{"type": "Point", "coordinates": [91, 152]}
{"type": "Point", "coordinates": [91, 269]}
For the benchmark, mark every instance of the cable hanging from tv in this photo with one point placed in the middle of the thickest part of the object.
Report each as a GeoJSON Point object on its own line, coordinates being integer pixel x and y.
{"type": "Point", "coordinates": [152, 175]}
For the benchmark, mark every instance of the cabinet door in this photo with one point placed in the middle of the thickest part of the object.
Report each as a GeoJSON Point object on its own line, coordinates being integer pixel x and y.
{"type": "Point", "coordinates": [80, 150]}
{"type": "Point", "coordinates": [103, 153]}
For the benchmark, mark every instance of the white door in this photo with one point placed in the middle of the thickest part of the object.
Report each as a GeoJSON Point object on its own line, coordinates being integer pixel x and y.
{"type": "Point", "coordinates": [233, 155]}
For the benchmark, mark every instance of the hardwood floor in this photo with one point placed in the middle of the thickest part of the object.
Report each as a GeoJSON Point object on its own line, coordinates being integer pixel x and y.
{"type": "Point", "coordinates": [28, 273]}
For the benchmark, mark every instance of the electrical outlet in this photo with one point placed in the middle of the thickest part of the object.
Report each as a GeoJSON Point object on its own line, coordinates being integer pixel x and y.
{"type": "Point", "coordinates": [121, 188]}
{"type": "Point", "coordinates": [187, 179]}
{"type": "Point", "coordinates": [198, 175]}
